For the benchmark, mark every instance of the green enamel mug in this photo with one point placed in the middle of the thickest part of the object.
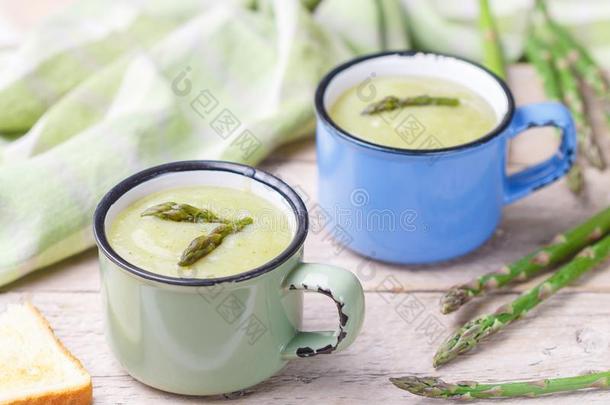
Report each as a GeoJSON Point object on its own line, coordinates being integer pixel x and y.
{"type": "Point", "coordinates": [213, 336]}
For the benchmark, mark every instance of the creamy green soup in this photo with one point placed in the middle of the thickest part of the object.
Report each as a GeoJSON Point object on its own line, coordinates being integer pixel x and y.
{"type": "Point", "coordinates": [156, 244]}
{"type": "Point", "coordinates": [414, 127]}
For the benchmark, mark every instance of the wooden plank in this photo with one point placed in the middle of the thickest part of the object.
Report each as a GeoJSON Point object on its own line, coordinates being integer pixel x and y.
{"type": "Point", "coordinates": [568, 335]}
{"type": "Point", "coordinates": [75, 274]}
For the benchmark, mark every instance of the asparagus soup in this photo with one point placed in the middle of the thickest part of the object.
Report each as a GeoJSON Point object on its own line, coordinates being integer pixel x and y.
{"type": "Point", "coordinates": [411, 112]}
{"type": "Point", "coordinates": [200, 232]}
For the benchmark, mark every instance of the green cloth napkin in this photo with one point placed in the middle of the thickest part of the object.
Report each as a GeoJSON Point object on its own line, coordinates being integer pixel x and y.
{"type": "Point", "coordinates": [110, 88]}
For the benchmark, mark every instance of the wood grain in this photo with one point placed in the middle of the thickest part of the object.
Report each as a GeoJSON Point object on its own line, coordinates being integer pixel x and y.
{"type": "Point", "coordinates": [569, 335]}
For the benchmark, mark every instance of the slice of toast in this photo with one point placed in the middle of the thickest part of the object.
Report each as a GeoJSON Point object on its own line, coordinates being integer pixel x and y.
{"type": "Point", "coordinates": [35, 368]}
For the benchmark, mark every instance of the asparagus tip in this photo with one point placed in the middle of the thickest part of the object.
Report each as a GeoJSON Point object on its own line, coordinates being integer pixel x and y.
{"type": "Point", "coordinates": [246, 221]}
{"type": "Point", "coordinates": [575, 179]}
{"type": "Point", "coordinates": [454, 299]}
{"type": "Point", "coordinates": [158, 209]}
{"type": "Point", "coordinates": [463, 340]}
{"type": "Point", "coordinates": [203, 245]}
{"type": "Point", "coordinates": [438, 360]}
{"type": "Point", "coordinates": [390, 103]}
{"type": "Point", "coordinates": [431, 387]}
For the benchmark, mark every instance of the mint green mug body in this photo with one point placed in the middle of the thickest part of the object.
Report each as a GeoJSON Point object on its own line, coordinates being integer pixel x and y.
{"type": "Point", "coordinates": [213, 336]}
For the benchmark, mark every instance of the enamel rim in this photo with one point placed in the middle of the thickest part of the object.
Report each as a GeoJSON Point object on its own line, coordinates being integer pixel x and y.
{"type": "Point", "coordinates": [277, 185]}
{"type": "Point", "coordinates": [325, 117]}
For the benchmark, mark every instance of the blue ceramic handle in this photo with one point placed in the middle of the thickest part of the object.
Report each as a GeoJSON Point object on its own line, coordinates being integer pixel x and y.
{"type": "Point", "coordinates": [525, 182]}
{"type": "Point", "coordinates": [345, 290]}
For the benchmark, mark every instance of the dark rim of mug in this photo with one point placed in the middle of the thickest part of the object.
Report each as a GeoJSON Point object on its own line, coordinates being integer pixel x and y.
{"type": "Point", "coordinates": [297, 205]}
{"type": "Point", "coordinates": [323, 114]}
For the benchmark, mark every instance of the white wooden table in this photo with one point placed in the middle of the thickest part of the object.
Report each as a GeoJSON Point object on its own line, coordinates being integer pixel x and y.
{"type": "Point", "coordinates": [569, 334]}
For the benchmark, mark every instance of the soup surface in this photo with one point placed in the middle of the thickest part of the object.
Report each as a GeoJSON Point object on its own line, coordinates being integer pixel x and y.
{"type": "Point", "coordinates": [414, 127]}
{"type": "Point", "coordinates": [156, 244]}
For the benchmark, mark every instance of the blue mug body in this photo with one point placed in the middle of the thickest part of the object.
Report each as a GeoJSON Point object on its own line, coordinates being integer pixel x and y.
{"type": "Point", "coordinates": [413, 205]}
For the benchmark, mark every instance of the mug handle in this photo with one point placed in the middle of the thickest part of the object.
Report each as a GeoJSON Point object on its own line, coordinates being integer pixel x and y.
{"type": "Point", "coordinates": [345, 290]}
{"type": "Point", "coordinates": [525, 182]}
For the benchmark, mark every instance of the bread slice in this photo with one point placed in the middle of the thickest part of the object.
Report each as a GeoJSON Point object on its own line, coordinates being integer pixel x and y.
{"type": "Point", "coordinates": [35, 368]}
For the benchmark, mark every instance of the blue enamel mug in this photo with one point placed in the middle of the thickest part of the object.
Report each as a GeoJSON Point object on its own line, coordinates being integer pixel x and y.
{"type": "Point", "coordinates": [412, 206]}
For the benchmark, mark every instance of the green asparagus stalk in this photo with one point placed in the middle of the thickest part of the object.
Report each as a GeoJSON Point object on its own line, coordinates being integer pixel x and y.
{"type": "Point", "coordinates": [469, 335]}
{"type": "Point", "coordinates": [433, 387]}
{"type": "Point", "coordinates": [205, 244]}
{"type": "Point", "coordinates": [493, 57]}
{"type": "Point", "coordinates": [578, 56]}
{"type": "Point", "coordinates": [575, 179]}
{"type": "Point", "coordinates": [562, 247]}
{"type": "Point", "coordinates": [572, 96]}
{"type": "Point", "coordinates": [172, 211]}
{"type": "Point", "coordinates": [544, 64]}
{"type": "Point", "coordinates": [582, 63]}
{"type": "Point", "coordinates": [391, 103]}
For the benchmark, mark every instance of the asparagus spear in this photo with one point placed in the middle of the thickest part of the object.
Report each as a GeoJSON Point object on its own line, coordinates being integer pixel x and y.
{"type": "Point", "coordinates": [543, 62]}
{"type": "Point", "coordinates": [575, 179]}
{"type": "Point", "coordinates": [575, 102]}
{"type": "Point", "coordinates": [562, 247]}
{"type": "Point", "coordinates": [391, 103]}
{"type": "Point", "coordinates": [172, 211]}
{"type": "Point", "coordinates": [572, 96]}
{"type": "Point", "coordinates": [203, 245]}
{"type": "Point", "coordinates": [583, 64]}
{"type": "Point", "coordinates": [493, 58]}
{"type": "Point", "coordinates": [433, 387]}
{"type": "Point", "coordinates": [469, 335]}
{"type": "Point", "coordinates": [579, 57]}
{"type": "Point", "coordinates": [542, 59]}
